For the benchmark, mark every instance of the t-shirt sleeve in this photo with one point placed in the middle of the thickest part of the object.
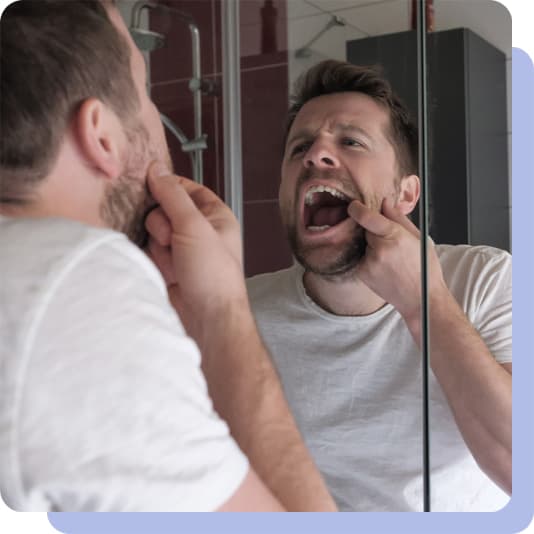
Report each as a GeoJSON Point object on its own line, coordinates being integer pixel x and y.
{"type": "Point", "coordinates": [494, 315]}
{"type": "Point", "coordinates": [114, 413]}
{"type": "Point", "coordinates": [481, 279]}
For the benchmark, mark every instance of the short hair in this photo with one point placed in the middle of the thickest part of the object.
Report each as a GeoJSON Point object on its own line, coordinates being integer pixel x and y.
{"type": "Point", "coordinates": [332, 76]}
{"type": "Point", "coordinates": [54, 55]}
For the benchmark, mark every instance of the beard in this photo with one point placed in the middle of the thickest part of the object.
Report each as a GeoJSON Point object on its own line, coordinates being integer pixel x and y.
{"type": "Point", "coordinates": [127, 200]}
{"type": "Point", "coordinates": [337, 263]}
{"type": "Point", "coordinates": [332, 264]}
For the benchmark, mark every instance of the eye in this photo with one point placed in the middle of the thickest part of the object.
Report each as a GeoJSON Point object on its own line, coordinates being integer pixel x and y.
{"type": "Point", "coordinates": [300, 148]}
{"type": "Point", "coordinates": [349, 141]}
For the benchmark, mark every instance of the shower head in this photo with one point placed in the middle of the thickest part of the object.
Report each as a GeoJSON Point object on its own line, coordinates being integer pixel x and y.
{"type": "Point", "coordinates": [147, 40]}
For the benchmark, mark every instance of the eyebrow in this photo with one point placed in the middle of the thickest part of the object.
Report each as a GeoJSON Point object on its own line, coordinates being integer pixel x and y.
{"type": "Point", "coordinates": [344, 127]}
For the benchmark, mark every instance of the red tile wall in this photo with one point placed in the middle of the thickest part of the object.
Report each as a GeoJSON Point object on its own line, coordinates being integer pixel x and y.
{"type": "Point", "coordinates": [264, 95]}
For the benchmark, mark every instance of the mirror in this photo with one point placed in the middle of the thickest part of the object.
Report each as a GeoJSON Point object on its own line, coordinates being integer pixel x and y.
{"type": "Point", "coordinates": [368, 439]}
{"type": "Point", "coordinates": [361, 418]}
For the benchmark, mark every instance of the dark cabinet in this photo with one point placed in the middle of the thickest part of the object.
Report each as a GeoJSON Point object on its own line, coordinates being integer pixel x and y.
{"type": "Point", "coordinates": [468, 136]}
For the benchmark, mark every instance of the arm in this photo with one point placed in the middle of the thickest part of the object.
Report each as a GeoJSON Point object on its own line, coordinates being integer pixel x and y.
{"type": "Point", "coordinates": [195, 242]}
{"type": "Point", "coordinates": [478, 389]}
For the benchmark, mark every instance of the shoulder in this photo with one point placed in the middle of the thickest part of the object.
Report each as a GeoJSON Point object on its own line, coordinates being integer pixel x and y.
{"type": "Point", "coordinates": [48, 249]}
{"type": "Point", "coordinates": [480, 278]}
{"type": "Point", "coordinates": [264, 284]}
{"type": "Point", "coordinates": [267, 291]}
{"type": "Point", "coordinates": [468, 261]}
{"type": "Point", "coordinates": [94, 334]}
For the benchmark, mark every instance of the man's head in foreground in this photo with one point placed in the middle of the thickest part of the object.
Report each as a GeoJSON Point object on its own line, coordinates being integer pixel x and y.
{"type": "Point", "coordinates": [78, 128]}
{"type": "Point", "coordinates": [348, 137]}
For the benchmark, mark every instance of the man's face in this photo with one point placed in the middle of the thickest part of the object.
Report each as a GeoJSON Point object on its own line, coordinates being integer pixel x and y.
{"type": "Point", "coordinates": [337, 151]}
{"type": "Point", "coordinates": [127, 200]}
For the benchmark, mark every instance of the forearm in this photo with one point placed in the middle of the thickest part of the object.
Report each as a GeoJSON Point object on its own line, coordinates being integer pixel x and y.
{"type": "Point", "coordinates": [246, 393]}
{"type": "Point", "coordinates": [478, 389]}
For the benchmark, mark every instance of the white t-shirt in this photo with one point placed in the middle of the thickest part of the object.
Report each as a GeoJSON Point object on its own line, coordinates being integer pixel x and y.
{"type": "Point", "coordinates": [103, 403]}
{"type": "Point", "coordinates": [354, 385]}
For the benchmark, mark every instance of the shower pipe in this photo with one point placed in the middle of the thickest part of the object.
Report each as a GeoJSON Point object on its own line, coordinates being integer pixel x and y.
{"type": "Point", "coordinates": [148, 41]}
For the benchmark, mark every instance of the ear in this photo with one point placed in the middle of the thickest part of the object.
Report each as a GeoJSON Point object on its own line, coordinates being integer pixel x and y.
{"type": "Point", "coordinates": [99, 133]}
{"type": "Point", "coordinates": [410, 189]}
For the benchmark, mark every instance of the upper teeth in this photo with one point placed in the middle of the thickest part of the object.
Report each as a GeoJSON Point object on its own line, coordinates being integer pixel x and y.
{"type": "Point", "coordinates": [308, 199]}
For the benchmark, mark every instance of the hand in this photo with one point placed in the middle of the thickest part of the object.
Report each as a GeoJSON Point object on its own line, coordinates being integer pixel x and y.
{"type": "Point", "coordinates": [194, 240]}
{"type": "Point", "coordinates": [391, 266]}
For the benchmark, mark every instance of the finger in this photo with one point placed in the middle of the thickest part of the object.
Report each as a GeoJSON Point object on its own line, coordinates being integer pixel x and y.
{"type": "Point", "coordinates": [369, 219]}
{"type": "Point", "coordinates": [209, 204]}
{"type": "Point", "coordinates": [173, 198]}
{"type": "Point", "coordinates": [159, 227]}
{"type": "Point", "coordinates": [161, 256]}
{"type": "Point", "coordinates": [392, 211]}
{"type": "Point", "coordinates": [202, 196]}
{"type": "Point", "coordinates": [184, 200]}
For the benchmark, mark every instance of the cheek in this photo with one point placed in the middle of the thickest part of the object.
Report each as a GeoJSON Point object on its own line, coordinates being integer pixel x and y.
{"type": "Point", "coordinates": [380, 179]}
{"type": "Point", "coordinates": [158, 141]}
{"type": "Point", "coordinates": [286, 192]}
{"type": "Point", "coordinates": [157, 128]}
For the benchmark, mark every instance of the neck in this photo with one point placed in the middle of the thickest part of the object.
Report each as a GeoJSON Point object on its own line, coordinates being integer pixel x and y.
{"type": "Point", "coordinates": [345, 295]}
{"type": "Point", "coordinates": [70, 191]}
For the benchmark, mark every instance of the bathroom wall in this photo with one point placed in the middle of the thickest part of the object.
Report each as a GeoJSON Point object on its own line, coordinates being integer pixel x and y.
{"type": "Point", "coordinates": [264, 102]}
{"type": "Point", "coordinates": [364, 18]}
{"type": "Point", "coordinates": [266, 77]}
{"type": "Point", "coordinates": [170, 72]}
{"type": "Point", "coordinates": [264, 90]}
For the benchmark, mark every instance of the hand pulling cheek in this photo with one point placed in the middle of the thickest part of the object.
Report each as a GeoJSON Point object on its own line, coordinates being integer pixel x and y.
{"type": "Point", "coordinates": [159, 227]}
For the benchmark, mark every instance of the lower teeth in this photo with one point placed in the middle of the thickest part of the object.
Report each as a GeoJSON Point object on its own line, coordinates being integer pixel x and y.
{"type": "Point", "coordinates": [318, 228]}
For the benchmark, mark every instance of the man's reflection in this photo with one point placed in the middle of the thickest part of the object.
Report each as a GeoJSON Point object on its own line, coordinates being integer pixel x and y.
{"type": "Point", "coordinates": [343, 324]}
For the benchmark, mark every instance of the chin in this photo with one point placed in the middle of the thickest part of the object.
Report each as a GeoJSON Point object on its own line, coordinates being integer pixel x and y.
{"type": "Point", "coordinates": [331, 262]}
{"type": "Point", "coordinates": [333, 253]}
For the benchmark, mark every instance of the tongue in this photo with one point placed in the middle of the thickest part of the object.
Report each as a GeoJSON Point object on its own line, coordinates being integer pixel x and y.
{"type": "Point", "coordinates": [329, 215]}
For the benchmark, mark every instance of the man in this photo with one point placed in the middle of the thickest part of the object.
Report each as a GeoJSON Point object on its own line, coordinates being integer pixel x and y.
{"type": "Point", "coordinates": [344, 323]}
{"type": "Point", "coordinates": [104, 405]}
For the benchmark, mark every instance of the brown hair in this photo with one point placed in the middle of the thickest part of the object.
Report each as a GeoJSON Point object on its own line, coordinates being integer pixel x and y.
{"type": "Point", "coordinates": [332, 76]}
{"type": "Point", "coordinates": [54, 55]}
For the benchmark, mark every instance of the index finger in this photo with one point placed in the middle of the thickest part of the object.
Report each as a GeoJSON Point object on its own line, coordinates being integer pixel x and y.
{"type": "Point", "coordinates": [205, 200]}
{"type": "Point", "coordinates": [169, 191]}
{"type": "Point", "coordinates": [371, 220]}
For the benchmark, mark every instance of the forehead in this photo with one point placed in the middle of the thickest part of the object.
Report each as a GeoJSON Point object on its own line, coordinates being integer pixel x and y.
{"type": "Point", "coordinates": [329, 111]}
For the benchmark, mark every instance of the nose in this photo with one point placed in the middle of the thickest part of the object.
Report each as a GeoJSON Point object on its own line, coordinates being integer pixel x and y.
{"type": "Point", "coordinates": [321, 156]}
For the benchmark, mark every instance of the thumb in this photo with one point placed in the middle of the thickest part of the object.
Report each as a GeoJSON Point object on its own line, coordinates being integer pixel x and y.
{"type": "Point", "coordinates": [176, 203]}
{"type": "Point", "coordinates": [369, 219]}
{"type": "Point", "coordinates": [393, 212]}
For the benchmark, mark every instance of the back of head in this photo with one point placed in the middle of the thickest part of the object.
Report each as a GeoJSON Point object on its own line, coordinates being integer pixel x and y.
{"type": "Point", "coordinates": [332, 76]}
{"type": "Point", "coordinates": [54, 55]}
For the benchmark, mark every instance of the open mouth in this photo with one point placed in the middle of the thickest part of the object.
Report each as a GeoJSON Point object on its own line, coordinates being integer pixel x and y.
{"type": "Point", "coordinates": [324, 207]}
